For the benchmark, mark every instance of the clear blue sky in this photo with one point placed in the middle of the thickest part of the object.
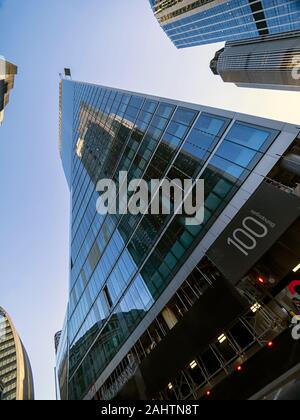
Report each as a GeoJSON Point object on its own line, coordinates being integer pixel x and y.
{"type": "Point", "coordinates": [116, 43]}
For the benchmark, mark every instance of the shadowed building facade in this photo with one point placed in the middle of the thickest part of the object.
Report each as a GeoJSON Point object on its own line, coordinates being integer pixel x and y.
{"type": "Point", "coordinates": [143, 285]}
{"type": "Point", "coordinates": [7, 75]}
{"type": "Point", "coordinates": [16, 381]}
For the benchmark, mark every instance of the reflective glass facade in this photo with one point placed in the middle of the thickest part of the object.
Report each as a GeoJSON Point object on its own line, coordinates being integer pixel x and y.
{"type": "Point", "coordinates": [121, 265]}
{"type": "Point", "coordinates": [7, 75]}
{"type": "Point", "coordinates": [190, 23]}
{"type": "Point", "coordinates": [16, 381]}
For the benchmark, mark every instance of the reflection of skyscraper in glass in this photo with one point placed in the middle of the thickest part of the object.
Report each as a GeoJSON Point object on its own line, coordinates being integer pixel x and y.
{"type": "Point", "coordinates": [197, 22]}
{"type": "Point", "coordinates": [16, 382]}
{"type": "Point", "coordinates": [136, 280]}
{"type": "Point", "coordinates": [7, 74]}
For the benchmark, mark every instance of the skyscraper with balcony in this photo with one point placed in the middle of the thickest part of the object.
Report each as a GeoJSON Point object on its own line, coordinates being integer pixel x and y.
{"type": "Point", "coordinates": [144, 285]}
{"type": "Point", "coordinates": [269, 62]}
{"type": "Point", "coordinates": [16, 381]}
{"type": "Point", "coordinates": [7, 75]}
{"type": "Point", "coordinates": [189, 23]}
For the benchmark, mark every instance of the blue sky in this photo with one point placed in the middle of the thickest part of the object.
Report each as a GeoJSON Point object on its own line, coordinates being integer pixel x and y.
{"type": "Point", "coordinates": [115, 43]}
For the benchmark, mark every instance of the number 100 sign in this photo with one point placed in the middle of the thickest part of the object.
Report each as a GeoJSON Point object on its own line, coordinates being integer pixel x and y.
{"type": "Point", "coordinates": [246, 238]}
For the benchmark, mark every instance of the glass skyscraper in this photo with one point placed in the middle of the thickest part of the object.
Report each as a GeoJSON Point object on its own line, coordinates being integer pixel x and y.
{"type": "Point", "coordinates": [7, 75]}
{"type": "Point", "coordinates": [16, 382]}
{"type": "Point", "coordinates": [189, 23]}
{"type": "Point", "coordinates": [127, 271]}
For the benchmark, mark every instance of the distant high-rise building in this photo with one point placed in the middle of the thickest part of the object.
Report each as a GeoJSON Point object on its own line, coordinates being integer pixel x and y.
{"type": "Point", "coordinates": [16, 381]}
{"type": "Point", "coordinates": [158, 308]}
{"type": "Point", "coordinates": [57, 340]}
{"type": "Point", "coordinates": [262, 37]}
{"type": "Point", "coordinates": [269, 62]}
{"type": "Point", "coordinates": [189, 23]}
{"type": "Point", "coordinates": [7, 75]}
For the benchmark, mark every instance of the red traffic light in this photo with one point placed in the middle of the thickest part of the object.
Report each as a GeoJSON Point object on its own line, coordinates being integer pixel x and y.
{"type": "Point", "coordinates": [261, 280]}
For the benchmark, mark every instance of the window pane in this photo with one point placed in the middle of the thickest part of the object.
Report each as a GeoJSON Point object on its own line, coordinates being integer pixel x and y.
{"type": "Point", "coordinates": [165, 110]}
{"type": "Point", "coordinates": [210, 124]}
{"type": "Point", "coordinates": [220, 164]}
{"type": "Point", "coordinates": [238, 154]}
{"type": "Point", "coordinates": [253, 137]}
{"type": "Point", "coordinates": [185, 116]}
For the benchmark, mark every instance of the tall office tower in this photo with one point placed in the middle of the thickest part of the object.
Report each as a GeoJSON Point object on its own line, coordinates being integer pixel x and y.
{"type": "Point", "coordinates": [7, 75]}
{"type": "Point", "coordinates": [16, 381]}
{"type": "Point", "coordinates": [269, 62]}
{"type": "Point", "coordinates": [159, 308]}
{"type": "Point", "coordinates": [189, 23]}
